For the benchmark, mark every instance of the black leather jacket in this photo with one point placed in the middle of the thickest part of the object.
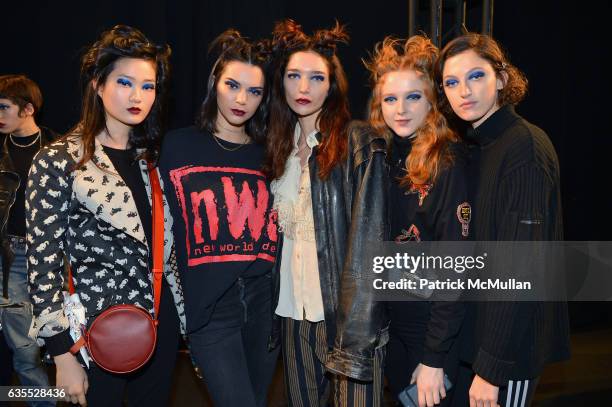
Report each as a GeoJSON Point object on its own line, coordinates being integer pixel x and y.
{"type": "Point", "coordinates": [350, 209]}
{"type": "Point", "coordinates": [9, 183]}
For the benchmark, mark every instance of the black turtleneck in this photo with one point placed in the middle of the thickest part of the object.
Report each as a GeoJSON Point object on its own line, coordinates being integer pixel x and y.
{"type": "Point", "coordinates": [514, 179]}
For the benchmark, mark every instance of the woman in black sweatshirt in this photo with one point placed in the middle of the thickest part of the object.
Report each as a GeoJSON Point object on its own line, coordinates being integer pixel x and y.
{"type": "Point", "coordinates": [428, 189]}
{"type": "Point", "coordinates": [516, 197]}
{"type": "Point", "coordinates": [225, 230]}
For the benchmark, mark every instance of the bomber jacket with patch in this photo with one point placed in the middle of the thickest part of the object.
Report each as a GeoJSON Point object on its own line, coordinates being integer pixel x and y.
{"type": "Point", "coordinates": [436, 211]}
{"type": "Point", "coordinates": [89, 215]}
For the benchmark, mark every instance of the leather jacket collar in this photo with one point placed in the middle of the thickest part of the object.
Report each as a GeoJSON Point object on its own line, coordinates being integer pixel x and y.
{"type": "Point", "coordinates": [350, 210]}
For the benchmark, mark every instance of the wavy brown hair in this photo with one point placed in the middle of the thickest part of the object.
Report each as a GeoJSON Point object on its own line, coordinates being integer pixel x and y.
{"type": "Point", "coordinates": [288, 38]}
{"type": "Point", "coordinates": [430, 151]}
{"type": "Point", "coordinates": [515, 82]}
{"type": "Point", "coordinates": [231, 46]}
{"type": "Point", "coordinates": [121, 41]}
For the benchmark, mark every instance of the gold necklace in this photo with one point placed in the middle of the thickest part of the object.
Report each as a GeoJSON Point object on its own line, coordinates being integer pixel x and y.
{"type": "Point", "coordinates": [246, 141]}
{"type": "Point", "coordinates": [26, 145]}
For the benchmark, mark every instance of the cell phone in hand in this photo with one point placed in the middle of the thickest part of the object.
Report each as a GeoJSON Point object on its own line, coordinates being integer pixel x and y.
{"type": "Point", "coordinates": [409, 397]}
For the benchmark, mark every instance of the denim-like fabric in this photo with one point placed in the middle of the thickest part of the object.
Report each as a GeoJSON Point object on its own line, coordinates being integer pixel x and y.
{"type": "Point", "coordinates": [232, 349]}
{"type": "Point", "coordinates": [15, 317]}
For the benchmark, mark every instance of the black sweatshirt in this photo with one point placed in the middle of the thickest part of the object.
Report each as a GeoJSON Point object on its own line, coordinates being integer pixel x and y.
{"type": "Point", "coordinates": [428, 214]}
{"type": "Point", "coordinates": [224, 227]}
{"type": "Point", "coordinates": [514, 176]}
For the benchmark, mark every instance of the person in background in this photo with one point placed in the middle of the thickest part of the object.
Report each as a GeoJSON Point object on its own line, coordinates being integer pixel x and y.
{"type": "Point", "coordinates": [21, 137]}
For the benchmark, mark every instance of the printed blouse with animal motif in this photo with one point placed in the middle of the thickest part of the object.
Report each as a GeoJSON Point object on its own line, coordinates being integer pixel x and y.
{"type": "Point", "coordinates": [89, 216]}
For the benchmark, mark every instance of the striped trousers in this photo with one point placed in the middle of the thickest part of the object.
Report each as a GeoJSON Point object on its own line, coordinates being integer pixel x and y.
{"type": "Point", "coordinates": [308, 384]}
{"type": "Point", "coordinates": [516, 393]}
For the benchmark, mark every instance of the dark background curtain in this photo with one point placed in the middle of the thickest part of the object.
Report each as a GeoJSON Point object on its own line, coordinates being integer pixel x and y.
{"type": "Point", "coordinates": [559, 45]}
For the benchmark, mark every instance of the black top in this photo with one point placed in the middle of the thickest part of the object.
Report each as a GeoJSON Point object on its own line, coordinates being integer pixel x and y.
{"type": "Point", "coordinates": [514, 177]}
{"type": "Point", "coordinates": [223, 221]}
{"type": "Point", "coordinates": [428, 214]}
{"type": "Point", "coordinates": [129, 170]}
{"type": "Point", "coordinates": [22, 160]}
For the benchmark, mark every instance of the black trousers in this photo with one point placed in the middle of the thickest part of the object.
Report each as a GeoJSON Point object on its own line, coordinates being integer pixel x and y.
{"type": "Point", "coordinates": [150, 385]}
{"type": "Point", "coordinates": [232, 349]}
{"type": "Point", "coordinates": [409, 322]}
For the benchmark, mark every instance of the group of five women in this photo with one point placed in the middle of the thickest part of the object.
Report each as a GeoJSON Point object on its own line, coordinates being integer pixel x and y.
{"type": "Point", "coordinates": [270, 200]}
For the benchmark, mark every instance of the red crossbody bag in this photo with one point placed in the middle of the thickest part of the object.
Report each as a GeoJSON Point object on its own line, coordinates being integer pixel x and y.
{"type": "Point", "coordinates": [122, 338]}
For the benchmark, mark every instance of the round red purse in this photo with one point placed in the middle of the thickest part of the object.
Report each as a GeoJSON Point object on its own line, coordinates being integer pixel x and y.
{"type": "Point", "coordinates": [122, 338]}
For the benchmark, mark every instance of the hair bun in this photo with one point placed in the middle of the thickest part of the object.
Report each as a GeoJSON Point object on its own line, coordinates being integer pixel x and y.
{"type": "Point", "coordinates": [264, 50]}
{"type": "Point", "coordinates": [393, 53]}
{"type": "Point", "coordinates": [326, 41]}
{"type": "Point", "coordinates": [423, 51]}
{"type": "Point", "coordinates": [227, 40]}
{"type": "Point", "coordinates": [287, 34]}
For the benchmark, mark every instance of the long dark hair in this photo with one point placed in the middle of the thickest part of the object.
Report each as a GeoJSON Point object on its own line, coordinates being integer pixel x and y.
{"type": "Point", "coordinates": [231, 46]}
{"type": "Point", "coordinates": [288, 38]}
{"type": "Point", "coordinates": [121, 41]}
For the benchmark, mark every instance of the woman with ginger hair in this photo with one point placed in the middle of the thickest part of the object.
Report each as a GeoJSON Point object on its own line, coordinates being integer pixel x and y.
{"type": "Point", "coordinates": [427, 192]}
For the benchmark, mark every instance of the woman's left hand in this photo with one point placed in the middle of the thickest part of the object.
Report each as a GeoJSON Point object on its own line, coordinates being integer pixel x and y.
{"type": "Point", "coordinates": [430, 385]}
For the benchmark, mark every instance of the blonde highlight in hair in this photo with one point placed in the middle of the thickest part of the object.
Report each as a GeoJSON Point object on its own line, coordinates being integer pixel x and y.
{"type": "Point", "coordinates": [429, 154]}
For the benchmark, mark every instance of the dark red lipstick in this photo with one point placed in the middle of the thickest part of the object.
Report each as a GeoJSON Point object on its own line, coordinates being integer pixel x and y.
{"type": "Point", "coordinates": [134, 110]}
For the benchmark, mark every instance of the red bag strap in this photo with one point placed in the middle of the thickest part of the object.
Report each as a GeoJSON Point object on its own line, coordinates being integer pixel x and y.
{"type": "Point", "coordinates": [158, 237]}
{"type": "Point", "coordinates": [158, 241]}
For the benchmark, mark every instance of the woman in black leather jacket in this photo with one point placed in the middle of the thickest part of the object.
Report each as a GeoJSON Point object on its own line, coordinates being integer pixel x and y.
{"type": "Point", "coordinates": [326, 173]}
{"type": "Point", "coordinates": [428, 191]}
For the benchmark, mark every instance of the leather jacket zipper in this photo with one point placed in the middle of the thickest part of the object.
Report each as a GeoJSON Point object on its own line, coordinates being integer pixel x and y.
{"type": "Point", "coordinates": [10, 204]}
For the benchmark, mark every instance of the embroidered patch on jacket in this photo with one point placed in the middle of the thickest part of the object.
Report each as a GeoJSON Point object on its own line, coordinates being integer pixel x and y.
{"type": "Point", "coordinates": [464, 214]}
{"type": "Point", "coordinates": [421, 190]}
{"type": "Point", "coordinates": [411, 235]}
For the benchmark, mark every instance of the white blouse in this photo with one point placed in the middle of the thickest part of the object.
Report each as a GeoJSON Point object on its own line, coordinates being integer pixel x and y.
{"type": "Point", "coordinates": [300, 290]}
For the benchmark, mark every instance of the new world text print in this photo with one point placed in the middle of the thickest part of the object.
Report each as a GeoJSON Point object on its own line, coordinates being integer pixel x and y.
{"type": "Point", "coordinates": [226, 214]}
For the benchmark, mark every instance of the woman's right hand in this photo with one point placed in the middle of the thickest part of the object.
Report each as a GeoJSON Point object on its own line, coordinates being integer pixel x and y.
{"type": "Point", "coordinates": [72, 377]}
